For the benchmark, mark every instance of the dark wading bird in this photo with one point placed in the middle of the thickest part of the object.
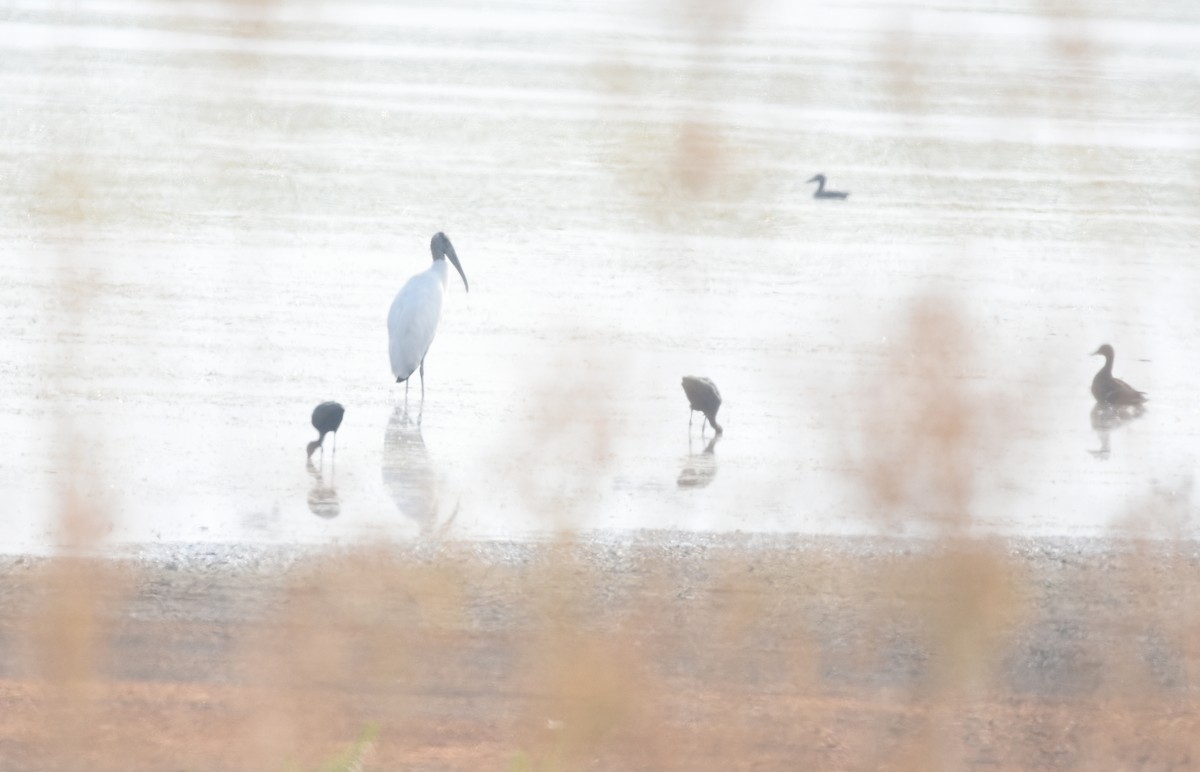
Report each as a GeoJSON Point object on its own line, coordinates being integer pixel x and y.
{"type": "Point", "coordinates": [326, 418]}
{"type": "Point", "coordinates": [413, 318]}
{"type": "Point", "coordinates": [1113, 391]}
{"type": "Point", "coordinates": [703, 396]}
{"type": "Point", "coordinates": [821, 192]}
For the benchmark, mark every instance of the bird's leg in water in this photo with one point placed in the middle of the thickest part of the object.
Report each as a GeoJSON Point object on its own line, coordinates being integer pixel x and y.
{"type": "Point", "coordinates": [335, 443]}
{"type": "Point", "coordinates": [422, 383]}
{"type": "Point", "coordinates": [691, 415]}
{"type": "Point", "coordinates": [703, 421]}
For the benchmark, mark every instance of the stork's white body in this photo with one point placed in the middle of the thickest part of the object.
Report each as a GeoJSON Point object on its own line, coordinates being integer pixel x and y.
{"type": "Point", "coordinates": [413, 319]}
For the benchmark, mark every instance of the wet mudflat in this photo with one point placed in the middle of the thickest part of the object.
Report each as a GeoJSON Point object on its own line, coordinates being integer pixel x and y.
{"type": "Point", "coordinates": [667, 652]}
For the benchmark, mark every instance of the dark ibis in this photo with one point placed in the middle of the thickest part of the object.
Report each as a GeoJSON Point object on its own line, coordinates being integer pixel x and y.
{"type": "Point", "coordinates": [326, 418]}
{"type": "Point", "coordinates": [703, 396]}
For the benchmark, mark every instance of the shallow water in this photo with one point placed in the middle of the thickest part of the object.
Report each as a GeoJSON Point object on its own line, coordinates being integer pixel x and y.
{"type": "Point", "coordinates": [208, 208]}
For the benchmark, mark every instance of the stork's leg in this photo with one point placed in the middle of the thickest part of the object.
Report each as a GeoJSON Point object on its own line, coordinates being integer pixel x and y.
{"type": "Point", "coordinates": [422, 382]}
{"type": "Point", "coordinates": [691, 415]}
{"type": "Point", "coordinates": [703, 422]}
{"type": "Point", "coordinates": [335, 443]}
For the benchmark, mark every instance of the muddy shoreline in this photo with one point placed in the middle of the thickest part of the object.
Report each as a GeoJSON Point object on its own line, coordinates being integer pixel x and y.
{"type": "Point", "coordinates": [701, 651]}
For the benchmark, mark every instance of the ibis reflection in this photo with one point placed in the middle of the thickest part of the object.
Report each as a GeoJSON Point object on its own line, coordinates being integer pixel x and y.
{"type": "Point", "coordinates": [322, 497]}
{"type": "Point", "coordinates": [699, 469]}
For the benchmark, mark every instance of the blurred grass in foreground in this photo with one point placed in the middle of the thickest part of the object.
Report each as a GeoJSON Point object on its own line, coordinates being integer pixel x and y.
{"type": "Point", "coordinates": [665, 652]}
{"type": "Point", "coordinates": [670, 653]}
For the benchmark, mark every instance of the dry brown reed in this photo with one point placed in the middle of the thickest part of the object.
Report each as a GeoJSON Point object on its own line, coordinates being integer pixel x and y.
{"type": "Point", "coordinates": [931, 427]}
{"type": "Point", "coordinates": [670, 652]}
{"type": "Point", "coordinates": [830, 653]}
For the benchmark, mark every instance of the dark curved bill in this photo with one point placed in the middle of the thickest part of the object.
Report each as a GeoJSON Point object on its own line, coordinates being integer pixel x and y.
{"type": "Point", "coordinates": [450, 253]}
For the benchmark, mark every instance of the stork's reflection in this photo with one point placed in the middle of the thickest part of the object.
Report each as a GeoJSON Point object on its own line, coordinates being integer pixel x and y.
{"type": "Point", "coordinates": [1105, 418]}
{"type": "Point", "coordinates": [407, 471]}
{"type": "Point", "coordinates": [699, 469]}
{"type": "Point", "coordinates": [322, 497]}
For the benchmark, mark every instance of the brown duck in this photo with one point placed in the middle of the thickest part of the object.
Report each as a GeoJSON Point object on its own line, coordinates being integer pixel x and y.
{"type": "Point", "coordinates": [1109, 390]}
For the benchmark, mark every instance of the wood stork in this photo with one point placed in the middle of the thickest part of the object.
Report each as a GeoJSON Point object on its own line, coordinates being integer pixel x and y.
{"type": "Point", "coordinates": [413, 318]}
{"type": "Point", "coordinates": [822, 192]}
{"type": "Point", "coordinates": [326, 418]}
{"type": "Point", "coordinates": [703, 396]}
{"type": "Point", "coordinates": [1109, 390]}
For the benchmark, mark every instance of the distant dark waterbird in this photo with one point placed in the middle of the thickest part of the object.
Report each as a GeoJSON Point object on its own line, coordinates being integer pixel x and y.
{"type": "Point", "coordinates": [703, 396]}
{"type": "Point", "coordinates": [326, 418]}
{"type": "Point", "coordinates": [1109, 390]}
{"type": "Point", "coordinates": [821, 192]}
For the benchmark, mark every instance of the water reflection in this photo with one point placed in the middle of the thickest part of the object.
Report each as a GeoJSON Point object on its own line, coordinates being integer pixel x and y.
{"type": "Point", "coordinates": [323, 498]}
{"type": "Point", "coordinates": [407, 471]}
{"type": "Point", "coordinates": [1105, 418]}
{"type": "Point", "coordinates": [699, 469]}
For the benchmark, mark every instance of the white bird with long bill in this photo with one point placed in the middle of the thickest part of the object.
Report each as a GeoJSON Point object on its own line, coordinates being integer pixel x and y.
{"type": "Point", "coordinates": [414, 316]}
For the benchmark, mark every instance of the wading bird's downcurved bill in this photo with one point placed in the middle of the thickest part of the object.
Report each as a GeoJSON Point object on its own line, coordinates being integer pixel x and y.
{"type": "Point", "coordinates": [450, 253]}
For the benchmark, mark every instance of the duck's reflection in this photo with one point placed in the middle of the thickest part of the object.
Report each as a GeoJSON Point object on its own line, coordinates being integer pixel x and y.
{"type": "Point", "coordinates": [699, 469]}
{"type": "Point", "coordinates": [1105, 418]}
{"type": "Point", "coordinates": [407, 471]}
{"type": "Point", "coordinates": [323, 498]}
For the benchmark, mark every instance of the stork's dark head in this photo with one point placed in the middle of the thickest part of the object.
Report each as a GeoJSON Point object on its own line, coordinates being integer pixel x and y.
{"type": "Point", "coordinates": [442, 248]}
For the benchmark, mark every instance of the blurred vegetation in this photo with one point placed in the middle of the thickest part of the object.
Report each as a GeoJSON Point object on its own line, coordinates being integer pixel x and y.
{"type": "Point", "coordinates": [673, 652]}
